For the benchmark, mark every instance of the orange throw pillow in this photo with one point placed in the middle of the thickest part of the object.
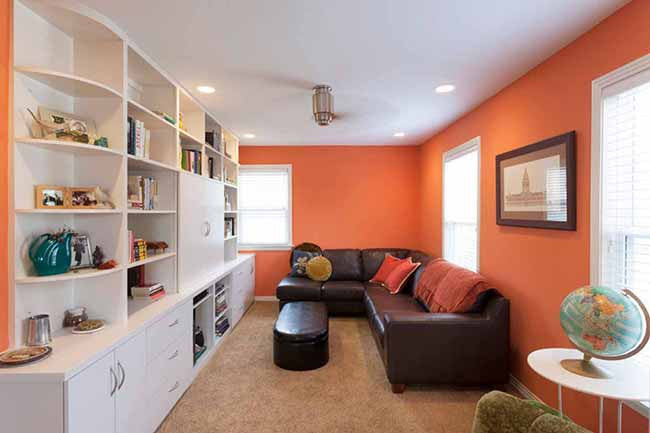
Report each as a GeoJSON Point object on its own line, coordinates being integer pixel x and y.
{"type": "Point", "coordinates": [399, 275]}
{"type": "Point", "coordinates": [447, 288]}
{"type": "Point", "coordinates": [386, 268]}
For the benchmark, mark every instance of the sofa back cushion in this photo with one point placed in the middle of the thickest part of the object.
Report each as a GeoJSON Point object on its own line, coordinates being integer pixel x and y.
{"type": "Point", "coordinates": [346, 264]}
{"type": "Point", "coordinates": [372, 259]}
{"type": "Point", "coordinates": [446, 288]}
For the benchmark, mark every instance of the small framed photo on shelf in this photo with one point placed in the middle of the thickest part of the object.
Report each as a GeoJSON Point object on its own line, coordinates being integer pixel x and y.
{"type": "Point", "coordinates": [81, 252]}
{"type": "Point", "coordinates": [50, 197]}
{"type": "Point", "coordinates": [82, 198]}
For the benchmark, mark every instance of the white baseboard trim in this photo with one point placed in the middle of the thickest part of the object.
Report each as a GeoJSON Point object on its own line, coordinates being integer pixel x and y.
{"type": "Point", "coordinates": [523, 390]}
{"type": "Point", "coordinates": [266, 299]}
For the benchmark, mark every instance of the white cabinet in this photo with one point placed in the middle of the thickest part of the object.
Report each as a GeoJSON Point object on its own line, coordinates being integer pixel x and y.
{"type": "Point", "coordinates": [243, 289]}
{"type": "Point", "coordinates": [114, 387]}
{"type": "Point", "coordinates": [200, 228]}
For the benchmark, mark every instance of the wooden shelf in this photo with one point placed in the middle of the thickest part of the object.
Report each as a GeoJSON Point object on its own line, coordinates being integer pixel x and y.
{"type": "Point", "coordinates": [151, 120]}
{"type": "Point", "coordinates": [151, 259]}
{"type": "Point", "coordinates": [82, 149]}
{"type": "Point", "coordinates": [70, 275]}
{"type": "Point", "coordinates": [150, 212]}
{"type": "Point", "coordinates": [187, 136]}
{"type": "Point", "coordinates": [69, 84]}
{"type": "Point", "coordinates": [136, 163]}
{"type": "Point", "coordinates": [70, 211]}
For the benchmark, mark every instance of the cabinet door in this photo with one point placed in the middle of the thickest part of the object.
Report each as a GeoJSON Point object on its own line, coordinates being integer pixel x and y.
{"type": "Point", "coordinates": [131, 371]}
{"type": "Point", "coordinates": [90, 398]}
{"type": "Point", "coordinates": [250, 284]}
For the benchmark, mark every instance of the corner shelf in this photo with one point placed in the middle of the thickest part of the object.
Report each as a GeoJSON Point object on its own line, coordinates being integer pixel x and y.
{"type": "Point", "coordinates": [70, 275]}
{"type": "Point", "coordinates": [69, 84]}
{"type": "Point", "coordinates": [151, 259]}
{"type": "Point", "coordinates": [81, 149]}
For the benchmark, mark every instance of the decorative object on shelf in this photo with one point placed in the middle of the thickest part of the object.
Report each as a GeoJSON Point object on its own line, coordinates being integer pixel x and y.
{"type": "Point", "coordinates": [89, 326]}
{"type": "Point", "coordinates": [74, 316]}
{"type": "Point", "coordinates": [603, 323]}
{"type": "Point", "coordinates": [536, 184]}
{"type": "Point", "coordinates": [51, 253]}
{"type": "Point", "coordinates": [109, 264]}
{"type": "Point", "coordinates": [227, 205]}
{"type": "Point", "coordinates": [39, 332]}
{"type": "Point", "coordinates": [25, 355]}
{"type": "Point", "coordinates": [82, 198]}
{"type": "Point", "coordinates": [101, 142]}
{"type": "Point", "coordinates": [180, 122]}
{"type": "Point", "coordinates": [157, 246]}
{"type": "Point", "coordinates": [103, 199]}
{"type": "Point", "coordinates": [319, 268]}
{"type": "Point", "coordinates": [229, 226]}
{"type": "Point", "coordinates": [82, 252]}
{"type": "Point", "coordinates": [166, 117]}
{"type": "Point", "coordinates": [50, 197]}
{"type": "Point", "coordinates": [98, 256]}
{"type": "Point", "coordinates": [57, 125]}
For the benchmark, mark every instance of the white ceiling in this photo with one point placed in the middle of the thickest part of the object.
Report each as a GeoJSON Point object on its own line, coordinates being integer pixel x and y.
{"type": "Point", "coordinates": [383, 58]}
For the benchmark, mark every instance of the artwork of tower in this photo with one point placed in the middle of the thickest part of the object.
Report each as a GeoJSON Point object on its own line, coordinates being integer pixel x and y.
{"type": "Point", "coordinates": [525, 182]}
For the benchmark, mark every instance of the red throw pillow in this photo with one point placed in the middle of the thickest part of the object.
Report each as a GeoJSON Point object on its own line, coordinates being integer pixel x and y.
{"type": "Point", "coordinates": [399, 275]}
{"type": "Point", "coordinates": [386, 268]}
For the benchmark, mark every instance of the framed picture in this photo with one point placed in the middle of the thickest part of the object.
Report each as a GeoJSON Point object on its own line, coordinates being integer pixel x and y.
{"type": "Point", "coordinates": [82, 198]}
{"type": "Point", "coordinates": [536, 185]}
{"type": "Point", "coordinates": [50, 197]}
{"type": "Point", "coordinates": [57, 125]}
{"type": "Point", "coordinates": [81, 252]}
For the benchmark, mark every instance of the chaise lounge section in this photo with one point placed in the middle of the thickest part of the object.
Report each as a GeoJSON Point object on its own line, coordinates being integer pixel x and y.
{"type": "Point", "coordinates": [417, 347]}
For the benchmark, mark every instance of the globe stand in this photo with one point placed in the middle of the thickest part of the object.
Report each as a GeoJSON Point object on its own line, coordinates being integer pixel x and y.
{"type": "Point", "coordinates": [584, 367]}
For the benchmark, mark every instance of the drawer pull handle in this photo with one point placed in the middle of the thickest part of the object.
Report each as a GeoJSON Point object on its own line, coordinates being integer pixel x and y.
{"type": "Point", "coordinates": [174, 355]}
{"type": "Point", "coordinates": [174, 388]}
{"type": "Point", "coordinates": [174, 323]}
{"type": "Point", "coordinates": [119, 365]}
{"type": "Point", "coordinates": [113, 382]}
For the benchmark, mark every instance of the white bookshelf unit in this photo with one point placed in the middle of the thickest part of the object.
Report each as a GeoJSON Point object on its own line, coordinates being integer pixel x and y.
{"type": "Point", "coordinates": [70, 59]}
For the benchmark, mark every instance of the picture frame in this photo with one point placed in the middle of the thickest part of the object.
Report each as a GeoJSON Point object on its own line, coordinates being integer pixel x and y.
{"type": "Point", "coordinates": [59, 125]}
{"type": "Point", "coordinates": [81, 252]}
{"type": "Point", "coordinates": [82, 198]}
{"type": "Point", "coordinates": [536, 185]}
{"type": "Point", "coordinates": [51, 197]}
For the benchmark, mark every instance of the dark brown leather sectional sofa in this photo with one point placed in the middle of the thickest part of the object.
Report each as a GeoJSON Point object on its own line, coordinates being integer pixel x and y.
{"type": "Point", "coordinates": [416, 346]}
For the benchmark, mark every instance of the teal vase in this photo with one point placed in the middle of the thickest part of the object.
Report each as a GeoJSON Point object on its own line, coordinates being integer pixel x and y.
{"type": "Point", "coordinates": [51, 253]}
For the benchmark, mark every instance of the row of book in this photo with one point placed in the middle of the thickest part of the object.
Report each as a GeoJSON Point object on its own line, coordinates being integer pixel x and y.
{"type": "Point", "coordinates": [220, 303]}
{"type": "Point", "coordinates": [191, 160]}
{"type": "Point", "coordinates": [140, 289]}
{"type": "Point", "coordinates": [142, 192]}
{"type": "Point", "coordinates": [221, 326]}
{"type": "Point", "coordinates": [138, 139]}
{"type": "Point", "coordinates": [137, 248]}
{"type": "Point", "coordinates": [213, 172]}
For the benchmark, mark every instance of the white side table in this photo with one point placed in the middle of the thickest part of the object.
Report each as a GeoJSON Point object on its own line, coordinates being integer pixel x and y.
{"type": "Point", "coordinates": [629, 381]}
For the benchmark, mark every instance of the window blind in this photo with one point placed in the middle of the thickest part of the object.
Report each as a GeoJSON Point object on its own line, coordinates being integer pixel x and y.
{"type": "Point", "coordinates": [265, 205]}
{"type": "Point", "coordinates": [625, 191]}
{"type": "Point", "coordinates": [460, 205]}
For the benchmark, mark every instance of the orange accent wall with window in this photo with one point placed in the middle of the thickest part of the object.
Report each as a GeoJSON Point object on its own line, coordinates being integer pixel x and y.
{"type": "Point", "coordinates": [343, 197]}
{"type": "Point", "coordinates": [5, 62]}
{"type": "Point", "coordinates": [537, 268]}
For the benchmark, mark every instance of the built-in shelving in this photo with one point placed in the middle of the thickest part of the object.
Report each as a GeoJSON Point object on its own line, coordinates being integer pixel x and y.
{"type": "Point", "coordinates": [81, 149]}
{"type": "Point", "coordinates": [70, 275]}
{"type": "Point", "coordinates": [151, 259]}
{"type": "Point", "coordinates": [142, 164]}
{"type": "Point", "coordinates": [68, 84]}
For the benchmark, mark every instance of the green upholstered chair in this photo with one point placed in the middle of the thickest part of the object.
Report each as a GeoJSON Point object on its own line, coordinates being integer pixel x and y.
{"type": "Point", "coordinates": [498, 412]}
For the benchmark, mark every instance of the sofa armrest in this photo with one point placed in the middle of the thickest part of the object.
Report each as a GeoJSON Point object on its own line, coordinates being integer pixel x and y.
{"type": "Point", "coordinates": [448, 348]}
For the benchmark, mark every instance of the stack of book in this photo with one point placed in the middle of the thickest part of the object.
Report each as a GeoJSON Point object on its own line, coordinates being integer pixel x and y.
{"type": "Point", "coordinates": [220, 304]}
{"type": "Point", "coordinates": [191, 160]}
{"type": "Point", "coordinates": [142, 192]}
{"type": "Point", "coordinates": [138, 138]}
{"type": "Point", "coordinates": [221, 326]}
{"type": "Point", "coordinates": [138, 247]}
{"type": "Point", "coordinates": [148, 291]}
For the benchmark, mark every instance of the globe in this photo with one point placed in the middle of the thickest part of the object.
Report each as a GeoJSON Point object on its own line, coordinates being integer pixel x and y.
{"type": "Point", "coordinates": [604, 323]}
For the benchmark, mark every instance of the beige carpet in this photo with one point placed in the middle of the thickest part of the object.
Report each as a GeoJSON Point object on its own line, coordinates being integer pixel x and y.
{"type": "Point", "coordinates": [241, 390]}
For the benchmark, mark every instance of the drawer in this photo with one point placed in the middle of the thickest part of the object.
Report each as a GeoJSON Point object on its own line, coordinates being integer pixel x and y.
{"type": "Point", "coordinates": [168, 329]}
{"type": "Point", "coordinates": [174, 361]}
{"type": "Point", "coordinates": [162, 400]}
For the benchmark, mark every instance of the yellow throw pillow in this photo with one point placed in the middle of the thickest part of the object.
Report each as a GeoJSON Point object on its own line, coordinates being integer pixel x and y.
{"type": "Point", "coordinates": [319, 268]}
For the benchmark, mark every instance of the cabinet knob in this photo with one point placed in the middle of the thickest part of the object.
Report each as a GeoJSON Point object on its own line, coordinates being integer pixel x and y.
{"type": "Point", "coordinates": [174, 323]}
{"type": "Point", "coordinates": [206, 229]}
{"type": "Point", "coordinates": [174, 388]}
{"type": "Point", "coordinates": [174, 355]}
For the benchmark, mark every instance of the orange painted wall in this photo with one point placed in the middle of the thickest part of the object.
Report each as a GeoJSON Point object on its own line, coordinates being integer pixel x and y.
{"type": "Point", "coordinates": [537, 268]}
{"type": "Point", "coordinates": [5, 62]}
{"type": "Point", "coordinates": [343, 197]}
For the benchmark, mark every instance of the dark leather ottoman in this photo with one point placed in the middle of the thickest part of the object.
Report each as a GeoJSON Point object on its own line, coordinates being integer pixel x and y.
{"type": "Point", "coordinates": [300, 336]}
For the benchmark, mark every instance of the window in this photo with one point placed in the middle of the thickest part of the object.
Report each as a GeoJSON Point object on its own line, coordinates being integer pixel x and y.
{"type": "Point", "coordinates": [461, 167]}
{"type": "Point", "coordinates": [620, 215]}
{"type": "Point", "coordinates": [265, 206]}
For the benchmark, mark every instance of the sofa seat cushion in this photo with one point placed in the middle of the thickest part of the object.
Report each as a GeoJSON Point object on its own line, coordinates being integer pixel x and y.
{"type": "Point", "coordinates": [346, 264]}
{"type": "Point", "coordinates": [342, 291]}
{"type": "Point", "coordinates": [298, 289]}
{"type": "Point", "coordinates": [378, 301]}
{"type": "Point", "coordinates": [372, 259]}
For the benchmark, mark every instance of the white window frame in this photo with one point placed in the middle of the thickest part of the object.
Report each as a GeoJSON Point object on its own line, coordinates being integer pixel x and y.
{"type": "Point", "coordinates": [456, 152]}
{"type": "Point", "coordinates": [273, 247]}
{"type": "Point", "coordinates": [598, 87]}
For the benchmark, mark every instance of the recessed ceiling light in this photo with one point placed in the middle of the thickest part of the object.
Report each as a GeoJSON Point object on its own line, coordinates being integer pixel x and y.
{"type": "Point", "coordinates": [249, 135]}
{"type": "Point", "coordinates": [445, 88]}
{"type": "Point", "coordinates": [205, 89]}
{"type": "Point", "coordinates": [399, 134]}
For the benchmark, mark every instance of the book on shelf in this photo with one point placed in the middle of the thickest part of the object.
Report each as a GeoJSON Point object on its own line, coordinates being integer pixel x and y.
{"type": "Point", "coordinates": [211, 167]}
{"type": "Point", "coordinates": [191, 160]}
{"type": "Point", "coordinates": [142, 192]}
{"type": "Point", "coordinates": [138, 138]}
{"type": "Point", "coordinates": [146, 290]}
{"type": "Point", "coordinates": [137, 248]}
